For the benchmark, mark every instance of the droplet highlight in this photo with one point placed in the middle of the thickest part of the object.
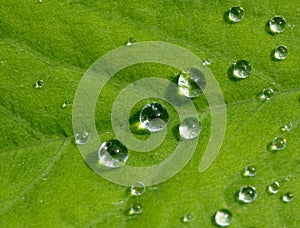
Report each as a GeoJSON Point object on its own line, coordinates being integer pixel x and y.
{"type": "Point", "coordinates": [288, 197]}
{"type": "Point", "coordinates": [277, 24]}
{"type": "Point", "coordinates": [112, 154]}
{"type": "Point", "coordinates": [39, 84]}
{"type": "Point", "coordinates": [187, 218]}
{"type": "Point", "coordinates": [274, 188]}
{"type": "Point", "coordinates": [236, 14]}
{"type": "Point", "coordinates": [281, 52]}
{"type": "Point", "coordinates": [249, 171]}
{"type": "Point", "coordinates": [241, 69]}
{"type": "Point", "coordinates": [247, 194]}
{"type": "Point", "coordinates": [137, 189]}
{"type": "Point", "coordinates": [81, 138]}
{"type": "Point", "coordinates": [223, 217]}
{"type": "Point", "coordinates": [189, 128]}
{"type": "Point", "coordinates": [288, 126]}
{"type": "Point", "coordinates": [135, 209]}
{"type": "Point", "coordinates": [278, 144]}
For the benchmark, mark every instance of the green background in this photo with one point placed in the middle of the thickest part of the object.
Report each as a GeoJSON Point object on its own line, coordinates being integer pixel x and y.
{"type": "Point", "coordinates": [43, 179]}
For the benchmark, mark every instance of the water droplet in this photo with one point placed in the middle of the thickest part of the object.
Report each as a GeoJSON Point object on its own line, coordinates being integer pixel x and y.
{"type": "Point", "coordinates": [267, 94]}
{"type": "Point", "coordinates": [247, 194]}
{"type": "Point", "coordinates": [81, 138]}
{"type": "Point", "coordinates": [288, 126]}
{"type": "Point", "coordinates": [236, 14]}
{"type": "Point", "coordinates": [130, 41]}
{"type": "Point", "coordinates": [38, 84]}
{"type": "Point", "coordinates": [288, 197]}
{"type": "Point", "coordinates": [223, 217]}
{"type": "Point", "coordinates": [250, 171]}
{"type": "Point", "coordinates": [273, 188]}
{"type": "Point", "coordinates": [65, 104]}
{"type": "Point", "coordinates": [188, 217]}
{"type": "Point", "coordinates": [241, 69]}
{"type": "Point", "coordinates": [135, 209]}
{"type": "Point", "coordinates": [113, 154]}
{"type": "Point", "coordinates": [288, 178]}
{"type": "Point", "coordinates": [207, 62]}
{"type": "Point", "coordinates": [278, 144]}
{"type": "Point", "coordinates": [191, 82]}
{"type": "Point", "coordinates": [40, 1]}
{"type": "Point", "coordinates": [277, 24]}
{"type": "Point", "coordinates": [154, 117]}
{"type": "Point", "coordinates": [137, 189]}
{"type": "Point", "coordinates": [281, 52]}
{"type": "Point", "coordinates": [189, 128]}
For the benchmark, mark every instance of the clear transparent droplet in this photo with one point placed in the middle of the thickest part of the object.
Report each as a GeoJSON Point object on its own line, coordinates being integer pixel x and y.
{"type": "Point", "coordinates": [278, 144]}
{"type": "Point", "coordinates": [189, 128]}
{"type": "Point", "coordinates": [223, 217]}
{"type": "Point", "coordinates": [81, 138]}
{"type": "Point", "coordinates": [130, 41]}
{"type": "Point", "coordinates": [274, 188]}
{"type": "Point", "coordinates": [191, 83]}
{"type": "Point", "coordinates": [236, 14]}
{"type": "Point", "coordinates": [241, 69]}
{"type": "Point", "coordinates": [112, 154]}
{"type": "Point", "coordinates": [39, 84]}
{"type": "Point", "coordinates": [250, 171]}
{"type": "Point", "coordinates": [135, 209]}
{"type": "Point", "coordinates": [154, 117]}
{"type": "Point", "coordinates": [65, 104]}
{"type": "Point", "coordinates": [267, 94]}
{"type": "Point", "coordinates": [188, 217]}
{"type": "Point", "coordinates": [137, 189]}
{"type": "Point", "coordinates": [247, 194]}
{"type": "Point", "coordinates": [281, 52]}
{"type": "Point", "coordinates": [207, 62]}
{"type": "Point", "coordinates": [288, 126]}
{"type": "Point", "coordinates": [277, 24]}
{"type": "Point", "coordinates": [288, 197]}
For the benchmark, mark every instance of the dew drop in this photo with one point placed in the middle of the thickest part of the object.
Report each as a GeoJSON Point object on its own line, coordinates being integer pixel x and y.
{"type": "Point", "coordinates": [249, 171]}
{"type": "Point", "coordinates": [236, 14]}
{"type": "Point", "coordinates": [288, 197]}
{"type": "Point", "coordinates": [65, 104]}
{"type": "Point", "coordinates": [154, 117]}
{"type": "Point", "coordinates": [273, 188]}
{"type": "Point", "coordinates": [207, 62]}
{"type": "Point", "coordinates": [38, 84]}
{"type": "Point", "coordinates": [278, 144]}
{"type": "Point", "coordinates": [241, 69]}
{"type": "Point", "coordinates": [191, 83]}
{"type": "Point", "coordinates": [223, 217]}
{"type": "Point", "coordinates": [112, 154]}
{"type": "Point", "coordinates": [281, 52]}
{"type": "Point", "coordinates": [187, 217]}
{"type": "Point", "coordinates": [137, 189]}
{"type": "Point", "coordinates": [247, 194]}
{"type": "Point", "coordinates": [267, 94]}
{"type": "Point", "coordinates": [277, 24]}
{"type": "Point", "coordinates": [189, 128]}
{"type": "Point", "coordinates": [130, 41]}
{"type": "Point", "coordinates": [135, 209]}
{"type": "Point", "coordinates": [81, 138]}
{"type": "Point", "coordinates": [288, 126]}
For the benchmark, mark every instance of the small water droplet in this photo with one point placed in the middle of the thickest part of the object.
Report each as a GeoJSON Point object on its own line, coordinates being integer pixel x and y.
{"type": "Point", "coordinates": [135, 209]}
{"type": "Point", "coordinates": [41, 201]}
{"type": "Point", "coordinates": [288, 197]}
{"type": "Point", "coordinates": [189, 128]}
{"type": "Point", "coordinates": [154, 117]}
{"type": "Point", "coordinates": [112, 154]}
{"type": "Point", "coordinates": [273, 188]}
{"type": "Point", "coordinates": [38, 84]}
{"type": "Point", "coordinates": [137, 189]}
{"type": "Point", "coordinates": [223, 217]}
{"type": "Point", "coordinates": [191, 83]}
{"type": "Point", "coordinates": [40, 1]}
{"type": "Point", "coordinates": [187, 217]}
{"type": "Point", "coordinates": [207, 62]}
{"type": "Point", "coordinates": [281, 52]}
{"type": "Point", "coordinates": [65, 104]}
{"type": "Point", "coordinates": [277, 24]}
{"type": "Point", "coordinates": [288, 178]}
{"type": "Point", "coordinates": [288, 126]}
{"type": "Point", "coordinates": [236, 14]}
{"type": "Point", "coordinates": [247, 194]}
{"type": "Point", "coordinates": [81, 138]}
{"type": "Point", "coordinates": [278, 144]}
{"type": "Point", "coordinates": [250, 171]}
{"type": "Point", "coordinates": [267, 94]}
{"type": "Point", "coordinates": [241, 69]}
{"type": "Point", "coordinates": [130, 41]}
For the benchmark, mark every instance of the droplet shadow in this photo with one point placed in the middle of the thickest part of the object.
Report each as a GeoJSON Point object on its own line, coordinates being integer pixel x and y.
{"type": "Point", "coordinates": [135, 125]}
{"type": "Point", "coordinates": [226, 18]}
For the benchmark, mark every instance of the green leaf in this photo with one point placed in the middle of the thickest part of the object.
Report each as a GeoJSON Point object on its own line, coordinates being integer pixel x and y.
{"type": "Point", "coordinates": [44, 180]}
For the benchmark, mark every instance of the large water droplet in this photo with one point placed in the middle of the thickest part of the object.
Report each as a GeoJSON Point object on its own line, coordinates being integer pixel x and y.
{"type": "Point", "coordinates": [113, 154]}
{"type": "Point", "coordinates": [191, 82]}
{"type": "Point", "coordinates": [241, 69]}
{"type": "Point", "coordinates": [135, 209]}
{"type": "Point", "coordinates": [130, 41]}
{"type": "Point", "coordinates": [288, 197]}
{"type": "Point", "coordinates": [250, 171]}
{"type": "Point", "coordinates": [154, 117]}
{"type": "Point", "coordinates": [223, 217]}
{"type": "Point", "coordinates": [137, 189]}
{"type": "Point", "coordinates": [188, 217]}
{"type": "Point", "coordinates": [247, 194]}
{"type": "Point", "coordinates": [278, 144]}
{"type": "Point", "coordinates": [189, 128]}
{"type": "Point", "coordinates": [65, 104]}
{"type": "Point", "coordinates": [277, 24]}
{"type": "Point", "coordinates": [236, 14]}
{"type": "Point", "coordinates": [267, 94]}
{"type": "Point", "coordinates": [281, 52]}
{"type": "Point", "coordinates": [81, 138]}
{"type": "Point", "coordinates": [38, 84]}
{"type": "Point", "coordinates": [274, 188]}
